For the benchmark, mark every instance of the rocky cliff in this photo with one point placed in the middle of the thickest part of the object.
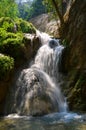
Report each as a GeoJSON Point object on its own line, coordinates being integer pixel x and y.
{"type": "Point", "coordinates": [74, 35]}
{"type": "Point", "coordinates": [45, 23]}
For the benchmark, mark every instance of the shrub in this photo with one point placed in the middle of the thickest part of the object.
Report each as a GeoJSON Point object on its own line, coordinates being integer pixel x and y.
{"type": "Point", "coordinates": [11, 44]}
{"type": "Point", "coordinates": [65, 43]}
{"type": "Point", "coordinates": [6, 66]}
{"type": "Point", "coordinates": [25, 26]}
{"type": "Point", "coordinates": [7, 24]}
{"type": "Point", "coordinates": [12, 37]}
{"type": "Point", "coordinates": [21, 25]}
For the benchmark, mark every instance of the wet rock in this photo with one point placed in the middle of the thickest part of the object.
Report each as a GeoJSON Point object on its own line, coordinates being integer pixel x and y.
{"type": "Point", "coordinates": [6, 72]}
{"type": "Point", "coordinates": [74, 58]}
{"type": "Point", "coordinates": [32, 44]}
{"type": "Point", "coordinates": [32, 95]}
{"type": "Point", "coordinates": [45, 23]}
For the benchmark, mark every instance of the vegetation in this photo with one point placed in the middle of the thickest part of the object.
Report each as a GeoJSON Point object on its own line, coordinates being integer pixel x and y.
{"type": "Point", "coordinates": [65, 43]}
{"type": "Point", "coordinates": [8, 8]}
{"type": "Point", "coordinates": [55, 6]}
{"type": "Point", "coordinates": [31, 9]}
{"type": "Point", "coordinates": [11, 36]}
{"type": "Point", "coordinates": [37, 8]}
{"type": "Point", "coordinates": [25, 9]}
{"type": "Point", "coordinates": [25, 26]}
{"type": "Point", "coordinates": [76, 89]}
{"type": "Point", "coordinates": [6, 65]}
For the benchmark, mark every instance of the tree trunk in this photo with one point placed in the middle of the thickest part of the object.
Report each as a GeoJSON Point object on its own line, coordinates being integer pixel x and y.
{"type": "Point", "coordinates": [58, 12]}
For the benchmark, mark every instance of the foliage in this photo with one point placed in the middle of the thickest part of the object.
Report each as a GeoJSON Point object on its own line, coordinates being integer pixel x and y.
{"type": "Point", "coordinates": [58, 7]}
{"type": "Point", "coordinates": [65, 43]}
{"type": "Point", "coordinates": [61, 4]}
{"type": "Point", "coordinates": [11, 42]}
{"type": "Point", "coordinates": [37, 8]}
{"type": "Point", "coordinates": [49, 5]}
{"type": "Point", "coordinates": [25, 9]}
{"type": "Point", "coordinates": [31, 9]}
{"type": "Point", "coordinates": [7, 24]}
{"type": "Point", "coordinates": [8, 8]}
{"type": "Point", "coordinates": [6, 65]}
{"type": "Point", "coordinates": [25, 26]}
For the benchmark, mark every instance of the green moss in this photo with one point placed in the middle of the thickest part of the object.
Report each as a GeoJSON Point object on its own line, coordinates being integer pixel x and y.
{"type": "Point", "coordinates": [76, 95]}
{"type": "Point", "coordinates": [25, 26]}
{"type": "Point", "coordinates": [80, 81]}
{"type": "Point", "coordinates": [21, 25]}
{"type": "Point", "coordinates": [12, 40]}
{"type": "Point", "coordinates": [7, 24]}
{"type": "Point", "coordinates": [12, 44]}
{"type": "Point", "coordinates": [65, 43]}
{"type": "Point", "coordinates": [6, 65]}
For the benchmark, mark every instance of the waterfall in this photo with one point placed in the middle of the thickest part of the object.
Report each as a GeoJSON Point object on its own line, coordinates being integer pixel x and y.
{"type": "Point", "coordinates": [37, 90]}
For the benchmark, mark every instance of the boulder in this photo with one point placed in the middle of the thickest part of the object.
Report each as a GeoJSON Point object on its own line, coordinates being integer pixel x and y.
{"type": "Point", "coordinates": [33, 94]}
{"type": "Point", "coordinates": [31, 45]}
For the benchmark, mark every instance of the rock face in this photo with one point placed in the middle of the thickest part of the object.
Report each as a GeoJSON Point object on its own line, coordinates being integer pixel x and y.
{"type": "Point", "coordinates": [31, 45]}
{"type": "Point", "coordinates": [45, 23]}
{"type": "Point", "coordinates": [75, 55]}
{"type": "Point", "coordinates": [4, 85]}
{"type": "Point", "coordinates": [6, 71]}
{"type": "Point", "coordinates": [76, 31]}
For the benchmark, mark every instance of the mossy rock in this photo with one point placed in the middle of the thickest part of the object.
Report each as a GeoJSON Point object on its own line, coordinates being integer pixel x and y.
{"type": "Point", "coordinates": [6, 65]}
{"type": "Point", "coordinates": [25, 26]}
{"type": "Point", "coordinates": [19, 24]}
{"type": "Point", "coordinates": [11, 44]}
{"type": "Point", "coordinates": [7, 24]}
{"type": "Point", "coordinates": [12, 41]}
{"type": "Point", "coordinates": [76, 90]}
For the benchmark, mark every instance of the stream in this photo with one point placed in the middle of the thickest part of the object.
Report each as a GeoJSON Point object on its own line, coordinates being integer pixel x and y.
{"type": "Point", "coordinates": [54, 121]}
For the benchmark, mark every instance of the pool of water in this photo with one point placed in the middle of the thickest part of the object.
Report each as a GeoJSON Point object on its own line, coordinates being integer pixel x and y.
{"type": "Point", "coordinates": [55, 121]}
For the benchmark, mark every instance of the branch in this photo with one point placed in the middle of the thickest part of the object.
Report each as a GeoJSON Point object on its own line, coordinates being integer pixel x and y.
{"type": "Point", "coordinates": [55, 4]}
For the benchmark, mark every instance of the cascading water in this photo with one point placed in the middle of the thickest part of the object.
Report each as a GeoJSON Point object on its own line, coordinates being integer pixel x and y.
{"type": "Point", "coordinates": [37, 90]}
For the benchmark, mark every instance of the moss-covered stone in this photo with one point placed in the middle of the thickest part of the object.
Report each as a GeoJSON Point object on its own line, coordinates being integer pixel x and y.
{"type": "Point", "coordinates": [24, 26]}
{"type": "Point", "coordinates": [17, 25]}
{"type": "Point", "coordinates": [7, 24]}
{"type": "Point", "coordinates": [6, 65]}
{"type": "Point", "coordinates": [12, 41]}
{"type": "Point", "coordinates": [77, 92]}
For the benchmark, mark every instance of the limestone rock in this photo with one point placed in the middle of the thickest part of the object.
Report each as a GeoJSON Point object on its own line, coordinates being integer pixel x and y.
{"type": "Point", "coordinates": [32, 95]}
{"type": "Point", "coordinates": [45, 23]}
{"type": "Point", "coordinates": [74, 58]}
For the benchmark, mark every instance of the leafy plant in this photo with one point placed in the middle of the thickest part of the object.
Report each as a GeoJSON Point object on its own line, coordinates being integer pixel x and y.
{"type": "Point", "coordinates": [65, 42]}
{"type": "Point", "coordinates": [8, 8]}
{"type": "Point", "coordinates": [11, 42]}
{"type": "Point", "coordinates": [12, 45]}
{"type": "Point", "coordinates": [6, 65]}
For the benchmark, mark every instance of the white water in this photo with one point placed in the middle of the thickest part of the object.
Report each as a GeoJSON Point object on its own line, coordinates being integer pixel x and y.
{"type": "Point", "coordinates": [47, 59]}
{"type": "Point", "coordinates": [43, 78]}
